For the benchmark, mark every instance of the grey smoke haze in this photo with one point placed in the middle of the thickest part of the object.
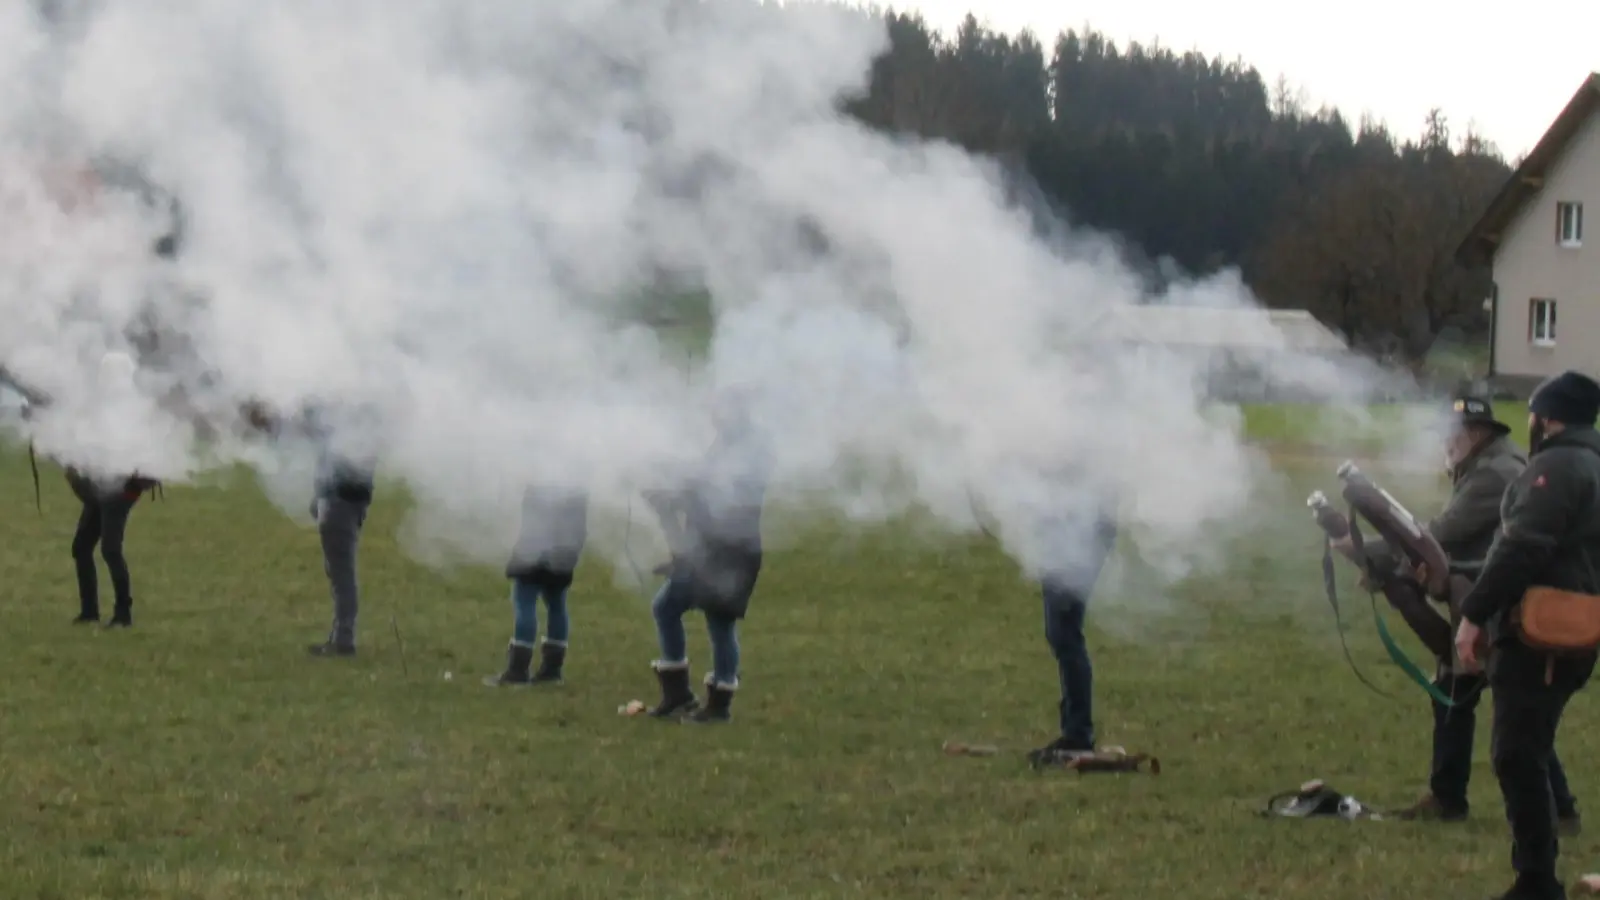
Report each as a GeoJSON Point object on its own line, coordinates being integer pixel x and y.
{"type": "Point", "coordinates": [438, 212]}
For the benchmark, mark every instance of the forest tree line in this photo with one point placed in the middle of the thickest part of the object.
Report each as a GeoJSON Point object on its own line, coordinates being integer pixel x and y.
{"type": "Point", "coordinates": [1202, 162]}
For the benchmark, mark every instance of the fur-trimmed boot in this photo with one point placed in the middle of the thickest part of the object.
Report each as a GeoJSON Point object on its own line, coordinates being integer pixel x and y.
{"type": "Point", "coordinates": [719, 700]}
{"type": "Point", "coordinates": [519, 657]}
{"type": "Point", "coordinates": [676, 698]}
{"type": "Point", "coordinates": [552, 656]}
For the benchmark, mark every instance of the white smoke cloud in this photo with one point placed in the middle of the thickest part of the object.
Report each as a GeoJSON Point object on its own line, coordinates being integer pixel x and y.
{"type": "Point", "coordinates": [441, 212]}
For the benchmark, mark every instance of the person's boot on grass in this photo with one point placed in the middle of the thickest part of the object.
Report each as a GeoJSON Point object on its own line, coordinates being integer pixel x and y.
{"type": "Point", "coordinates": [122, 615]}
{"type": "Point", "coordinates": [719, 700]}
{"type": "Point", "coordinates": [519, 659]}
{"type": "Point", "coordinates": [336, 644]}
{"type": "Point", "coordinates": [552, 656]}
{"type": "Point", "coordinates": [1431, 809]}
{"type": "Point", "coordinates": [1061, 750]}
{"type": "Point", "coordinates": [676, 697]}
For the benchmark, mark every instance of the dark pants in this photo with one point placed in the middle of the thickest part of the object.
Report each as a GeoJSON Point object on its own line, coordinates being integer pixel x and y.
{"type": "Point", "coordinates": [1064, 612]}
{"type": "Point", "coordinates": [1453, 730]}
{"type": "Point", "coordinates": [1529, 697]}
{"type": "Point", "coordinates": [339, 524]}
{"type": "Point", "coordinates": [103, 522]}
{"type": "Point", "coordinates": [1066, 602]}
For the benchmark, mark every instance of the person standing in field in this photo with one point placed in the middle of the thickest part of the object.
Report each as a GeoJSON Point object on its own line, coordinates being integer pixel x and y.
{"type": "Point", "coordinates": [713, 526]}
{"type": "Point", "coordinates": [107, 501]}
{"type": "Point", "coordinates": [1549, 537]}
{"type": "Point", "coordinates": [342, 495]}
{"type": "Point", "coordinates": [1083, 538]}
{"type": "Point", "coordinates": [1483, 461]}
{"type": "Point", "coordinates": [555, 526]}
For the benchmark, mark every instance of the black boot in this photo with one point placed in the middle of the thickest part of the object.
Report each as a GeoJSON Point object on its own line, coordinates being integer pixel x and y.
{"type": "Point", "coordinates": [331, 647]}
{"type": "Point", "coordinates": [518, 659]}
{"type": "Point", "coordinates": [87, 617]}
{"type": "Point", "coordinates": [1060, 751]}
{"type": "Point", "coordinates": [1535, 888]}
{"type": "Point", "coordinates": [551, 658]}
{"type": "Point", "coordinates": [719, 699]}
{"type": "Point", "coordinates": [121, 616]}
{"type": "Point", "coordinates": [676, 698]}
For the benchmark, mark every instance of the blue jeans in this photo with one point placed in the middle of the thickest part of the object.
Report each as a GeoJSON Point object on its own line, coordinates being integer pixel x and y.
{"type": "Point", "coordinates": [1064, 612]}
{"type": "Point", "coordinates": [671, 603]}
{"type": "Point", "coordinates": [525, 600]}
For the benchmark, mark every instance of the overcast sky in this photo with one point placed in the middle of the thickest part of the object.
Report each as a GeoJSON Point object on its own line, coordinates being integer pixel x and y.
{"type": "Point", "coordinates": [1505, 67]}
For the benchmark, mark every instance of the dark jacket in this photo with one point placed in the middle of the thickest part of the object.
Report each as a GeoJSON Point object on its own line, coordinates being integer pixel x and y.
{"type": "Point", "coordinates": [343, 478]}
{"type": "Point", "coordinates": [720, 557]}
{"type": "Point", "coordinates": [1549, 534]}
{"type": "Point", "coordinates": [92, 490]}
{"type": "Point", "coordinates": [1466, 526]}
{"type": "Point", "coordinates": [555, 526]}
{"type": "Point", "coordinates": [338, 476]}
{"type": "Point", "coordinates": [1470, 519]}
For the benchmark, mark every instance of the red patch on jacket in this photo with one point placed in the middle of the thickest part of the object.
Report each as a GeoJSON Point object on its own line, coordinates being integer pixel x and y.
{"type": "Point", "coordinates": [1539, 482]}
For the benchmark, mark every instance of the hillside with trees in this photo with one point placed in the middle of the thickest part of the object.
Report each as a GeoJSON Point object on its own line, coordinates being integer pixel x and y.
{"type": "Point", "coordinates": [1200, 163]}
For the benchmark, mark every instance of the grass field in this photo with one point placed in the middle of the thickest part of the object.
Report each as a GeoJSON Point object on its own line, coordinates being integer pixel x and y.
{"type": "Point", "coordinates": [203, 755]}
{"type": "Point", "coordinates": [1339, 429]}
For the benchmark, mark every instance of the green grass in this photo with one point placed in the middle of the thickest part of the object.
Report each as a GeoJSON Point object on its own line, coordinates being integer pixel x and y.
{"type": "Point", "coordinates": [1314, 424]}
{"type": "Point", "coordinates": [202, 755]}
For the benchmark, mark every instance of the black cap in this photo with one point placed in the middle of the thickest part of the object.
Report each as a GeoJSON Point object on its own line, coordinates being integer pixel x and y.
{"type": "Point", "coordinates": [1477, 411]}
{"type": "Point", "coordinates": [1571, 398]}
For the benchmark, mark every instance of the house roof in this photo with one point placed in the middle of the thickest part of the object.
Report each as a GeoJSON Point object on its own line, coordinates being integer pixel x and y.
{"type": "Point", "coordinates": [1232, 328]}
{"type": "Point", "coordinates": [1481, 242]}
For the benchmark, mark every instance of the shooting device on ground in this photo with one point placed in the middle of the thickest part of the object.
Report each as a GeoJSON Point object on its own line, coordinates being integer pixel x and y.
{"type": "Point", "coordinates": [1413, 569]}
{"type": "Point", "coordinates": [1315, 799]}
{"type": "Point", "coordinates": [1106, 759]}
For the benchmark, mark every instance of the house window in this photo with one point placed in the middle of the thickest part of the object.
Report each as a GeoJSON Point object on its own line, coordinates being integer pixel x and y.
{"type": "Point", "coordinates": [1569, 224]}
{"type": "Point", "coordinates": [1542, 322]}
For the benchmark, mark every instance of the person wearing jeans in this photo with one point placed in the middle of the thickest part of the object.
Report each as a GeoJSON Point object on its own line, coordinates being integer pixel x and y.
{"type": "Point", "coordinates": [1066, 590]}
{"type": "Point", "coordinates": [107, 501]}
{"type": "Point", "coordinates": [555, 524]}
{"type": "Point", "coordinates": [103, 521]}
{"type": "Point", "coordinates": [343, 494]}
{"type": "Point", "coordinates": [340, 512]}
{"type": "Point", "coordinates": [722, 591]}
{"type": "Point", "coordinates": [714, 529]}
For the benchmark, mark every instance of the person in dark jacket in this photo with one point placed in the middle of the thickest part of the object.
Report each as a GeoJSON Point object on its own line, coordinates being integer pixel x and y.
{"type": "Point", "coordinates": [555, 526]}
{"type": "Point", "coordinates": [1085, 537]}
{"type": "Point", "coordinates": [1483, 462]}
{"type": "Point", "coordinates": [714, 529]}
{"type": "Point", "coordinates": [342, 495]}
{"type": "Point", "coordinates": [1549, 536]}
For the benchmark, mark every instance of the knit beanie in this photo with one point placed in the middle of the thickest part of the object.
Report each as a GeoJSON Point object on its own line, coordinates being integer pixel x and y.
{"type": "Point", "coordinates": [1570, 398]}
